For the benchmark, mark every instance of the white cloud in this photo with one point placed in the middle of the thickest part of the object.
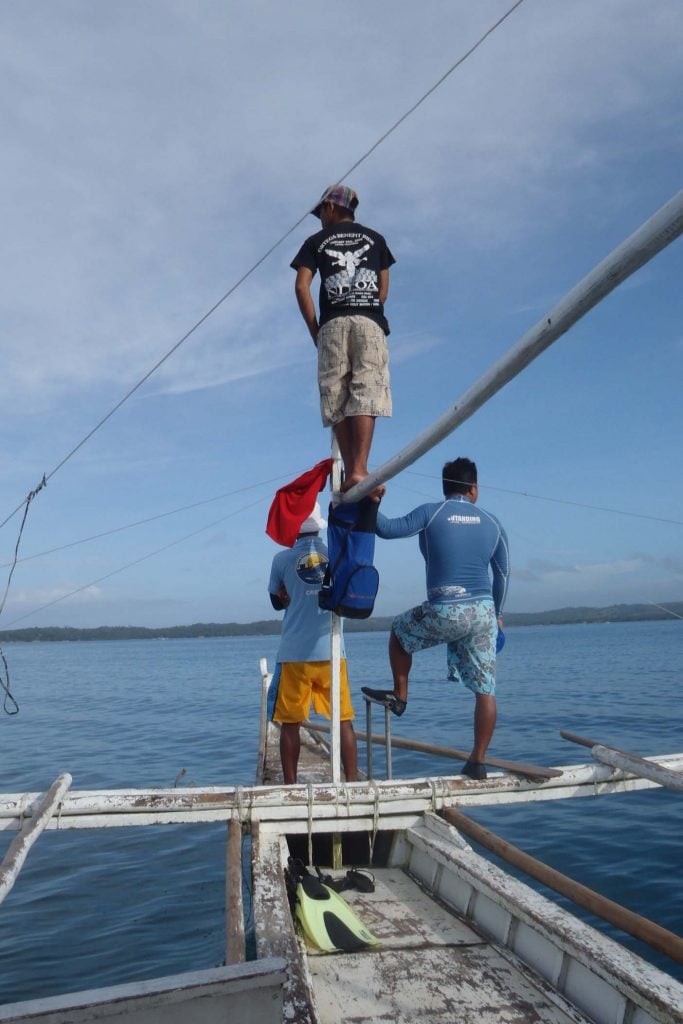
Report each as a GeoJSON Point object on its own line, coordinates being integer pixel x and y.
{"type": "Point", "coordinates": [34, 597]}
{"type": "Point", "coordinates": [153, 152]}
{"type": "Point", "coordinates": [149, 160]}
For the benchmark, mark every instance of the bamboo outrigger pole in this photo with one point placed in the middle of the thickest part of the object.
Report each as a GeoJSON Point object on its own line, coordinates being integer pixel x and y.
{"type": "Point", "coordinates": [654, 235]}
{"type": "Point", "coordinates": [628, 762]}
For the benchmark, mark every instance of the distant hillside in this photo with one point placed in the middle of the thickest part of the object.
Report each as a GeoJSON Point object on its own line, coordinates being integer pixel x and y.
{"type": "Point", "coordinates": [271, 627]}
{"type": "Point", "coordinates": [613, 613]}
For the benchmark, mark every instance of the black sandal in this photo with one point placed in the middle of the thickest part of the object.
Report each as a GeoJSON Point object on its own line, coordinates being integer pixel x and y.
{"type": "Point", "coordinates": [355, 878]}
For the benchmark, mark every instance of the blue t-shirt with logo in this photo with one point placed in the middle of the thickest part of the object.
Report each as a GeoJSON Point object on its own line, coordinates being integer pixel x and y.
{"type": "Point", "coordinates": [459, 542]}
{"type": "Point", "coordinates": [305, 628]}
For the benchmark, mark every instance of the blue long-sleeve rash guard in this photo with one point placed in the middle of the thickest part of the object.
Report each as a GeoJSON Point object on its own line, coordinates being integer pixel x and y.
{"type": "Point", "coordinates": [459, 541]}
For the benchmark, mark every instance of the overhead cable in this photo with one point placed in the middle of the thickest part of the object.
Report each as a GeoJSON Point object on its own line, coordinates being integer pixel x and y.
{"type": "Point", "coordinates": [143, 522]}
{"type": "Point", "coordinates": [561, 501]}
{"type": "Point", "coordinates": [137, 561]}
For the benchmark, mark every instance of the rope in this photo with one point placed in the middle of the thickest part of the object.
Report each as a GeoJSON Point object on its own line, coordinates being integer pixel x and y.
{"type": "Point", "coordinates": [9, 703]}
{"type": "Point", "coordinates": [238, 806]}
{"type": "Point", "coordinates": [432, 785]}
{"type": "Point", "coordinates": [375, 818]}
{"type": "Point", "coordinates": [429, 92]}
{"type": "Point", "coordinates": [27, 501]}
{"type": "Point", "coordinates": [557, 501]}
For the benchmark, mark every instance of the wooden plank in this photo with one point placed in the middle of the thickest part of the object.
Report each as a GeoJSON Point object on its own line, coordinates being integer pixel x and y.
{"type": "Point", "coordinates": [430, 962]}
{"type": "Point", "coordinates": [628, 762]}
{"type": "Point", "coordinates": [21, 844]}
{"type": "Point", "coordinates": [235, 947]}
{"type": "Point", "coordinates": [640, 927]}
{"type": "Point", "coordinates": [533, 771]}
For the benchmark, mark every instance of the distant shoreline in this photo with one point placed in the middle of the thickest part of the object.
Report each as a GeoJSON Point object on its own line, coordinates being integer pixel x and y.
{"type": "Point", "coordinates": [377, 624]}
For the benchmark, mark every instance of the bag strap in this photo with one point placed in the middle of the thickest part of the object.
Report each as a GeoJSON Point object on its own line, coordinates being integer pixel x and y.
{"type": "Point", "coordinates": [347, 528]}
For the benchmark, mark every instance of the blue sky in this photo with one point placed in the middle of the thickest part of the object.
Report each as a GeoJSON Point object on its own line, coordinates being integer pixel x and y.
{"type": "Point", "coordinates": [152, 152]}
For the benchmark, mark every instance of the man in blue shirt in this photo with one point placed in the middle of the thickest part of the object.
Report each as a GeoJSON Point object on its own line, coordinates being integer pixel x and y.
{"type": "Point", "coordinates": [460, 544]}
{"type": "Point", "coordinates": [302, 672]}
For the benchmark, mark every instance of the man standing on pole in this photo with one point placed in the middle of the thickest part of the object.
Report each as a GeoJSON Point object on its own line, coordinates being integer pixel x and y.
{"type": "Point", "coordinates": [460, 543]}
{"type": "Point", "coordinates": [351, 330]}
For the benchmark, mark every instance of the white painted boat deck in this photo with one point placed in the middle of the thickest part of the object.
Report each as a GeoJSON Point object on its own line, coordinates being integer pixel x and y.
{"type": "Point", "coordinates": [430, 967]}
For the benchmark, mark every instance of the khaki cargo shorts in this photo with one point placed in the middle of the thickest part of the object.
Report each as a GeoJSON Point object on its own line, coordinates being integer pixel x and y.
{"type": "Point", "coordinates": [353, 369]}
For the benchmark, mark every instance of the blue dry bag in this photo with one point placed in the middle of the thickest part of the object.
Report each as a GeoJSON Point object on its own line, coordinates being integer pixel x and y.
{"type": "Point", "coordinates": [351, 580]}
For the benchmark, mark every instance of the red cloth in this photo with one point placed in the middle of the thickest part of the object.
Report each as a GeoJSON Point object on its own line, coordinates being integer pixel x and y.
{"type": "Point", "coordinates": [294, 502]}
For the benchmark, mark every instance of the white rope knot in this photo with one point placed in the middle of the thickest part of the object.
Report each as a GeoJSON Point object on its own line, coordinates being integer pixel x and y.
{"type": "Point", "coordinates": [238, 806]}
{"type": "Point", "coordinates": [375, 818]}
{"type": "Point", "coordinates": [432, 786]}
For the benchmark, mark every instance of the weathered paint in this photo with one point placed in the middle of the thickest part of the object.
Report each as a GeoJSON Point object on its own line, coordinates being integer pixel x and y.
{"type": "Point", "coordinates": [552, 940]}
{"type": "Point", "coordinates": [274, 928]}
{"type": "Point", "coordinates": [249, 993]}
{"type": "Point", "coordinates": [509, 956]}
{"type": "Point", "coordinates": [235, 945]}
{"type": "Point", "coordinates": [639, 766]}
{"type": "Point", "coordinates": [431, 966]}
{"type": "Point", "coordinates": [359, 799]}
{"type": "Point", "coordinates": [30, 830]}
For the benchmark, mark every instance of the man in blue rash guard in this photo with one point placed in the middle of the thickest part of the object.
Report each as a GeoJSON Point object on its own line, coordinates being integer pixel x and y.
{"type": "Point", "coordinates": [464, 605]}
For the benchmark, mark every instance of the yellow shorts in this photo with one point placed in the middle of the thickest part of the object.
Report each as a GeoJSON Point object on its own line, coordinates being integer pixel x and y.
{"type": "Point", "coordinates": [295, 683]}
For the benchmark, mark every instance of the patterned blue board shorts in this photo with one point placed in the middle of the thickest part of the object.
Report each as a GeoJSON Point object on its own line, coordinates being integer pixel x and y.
{"type": "Point", "coordinates": [469, 628]}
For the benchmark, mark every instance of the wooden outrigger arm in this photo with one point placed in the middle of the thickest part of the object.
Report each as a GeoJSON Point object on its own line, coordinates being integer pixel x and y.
{"type": "Point", "coordinates": [29, 832]}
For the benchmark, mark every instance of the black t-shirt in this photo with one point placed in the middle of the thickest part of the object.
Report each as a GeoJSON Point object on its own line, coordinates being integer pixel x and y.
{"type": "Point", "coordinates": [349, 258]}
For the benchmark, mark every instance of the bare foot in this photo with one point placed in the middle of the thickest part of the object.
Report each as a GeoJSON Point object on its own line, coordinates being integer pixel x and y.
{"type": "Point", "coordinates": [375, 495]}
{"type": "Point", "coordinates": [351, 481]}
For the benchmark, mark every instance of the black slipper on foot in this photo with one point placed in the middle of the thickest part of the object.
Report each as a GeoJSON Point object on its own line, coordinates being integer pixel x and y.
{"type": "Point", "coordinates": [387, 698]}
{"type": "Point", "coordinates": [475, 770]}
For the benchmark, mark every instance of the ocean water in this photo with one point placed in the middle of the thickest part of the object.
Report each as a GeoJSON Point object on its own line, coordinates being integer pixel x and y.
{"type": "Point", "coordinates": [99, 907]}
